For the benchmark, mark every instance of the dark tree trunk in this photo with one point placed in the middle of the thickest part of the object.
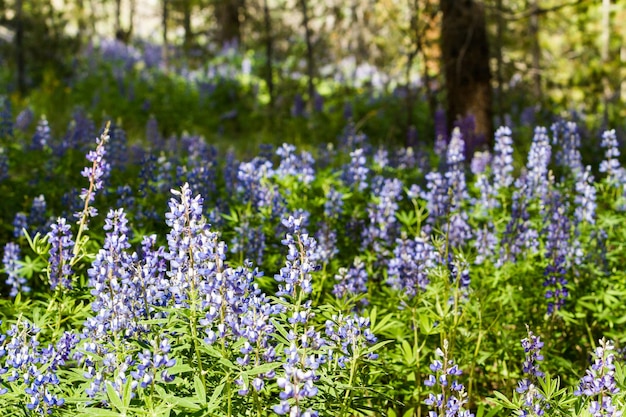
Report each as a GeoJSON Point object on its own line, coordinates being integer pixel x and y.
{"type": "Point", "coordinates": [465, 55]}
{"type": "Point", "coordinates": [500, 26]}
{"type": "Point", "coordinates": [310, 69]}
{"type": "Point", "coordinates": [188, 37]}
{"type": "Point", "coordinates": [227, 15]}
{"type": "Point", "coordinates": [165, 17]}
{"type": "Point", "coordinates": [269, 52]}
{"type": "Point", "coordinates": [118, 17]}
{"type": "Point", "coordinates": [19, 47]}
{"type": "Point", "coordinates": [533, 27]}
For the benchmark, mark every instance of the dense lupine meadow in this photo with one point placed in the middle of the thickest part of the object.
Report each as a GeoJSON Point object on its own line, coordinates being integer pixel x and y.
{"type": "Point", "coordinates": [164, 277]}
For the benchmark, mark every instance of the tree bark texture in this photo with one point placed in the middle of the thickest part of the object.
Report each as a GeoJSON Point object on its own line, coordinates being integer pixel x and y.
{"type": "Point", "coordinates": [465, 56]}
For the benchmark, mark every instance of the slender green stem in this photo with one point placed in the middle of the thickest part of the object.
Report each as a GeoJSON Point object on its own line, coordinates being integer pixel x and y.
{"type": "Point", "coordinates": [92, 184]}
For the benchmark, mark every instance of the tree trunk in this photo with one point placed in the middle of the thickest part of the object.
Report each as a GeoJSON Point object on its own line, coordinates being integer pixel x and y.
{"type": "Point", "coordinates": [605, 56]}
{"type": "Point", "coordinates": [227, 15]}
{"type": "Point", "coordinates": [165, 17]}
{"type": "Point", "coordinates": [269, 69]}
{"type": "Point", "coordinates": [19, 47]}
{"type": "Point", "coordinates": [465, 54]}
{"type": "Point", "coordinates": [536, 48]}
{"type": "Point", "coordinates": [118, 17]}
{"type": "Point", "coordinates": [188, 36]}
{"type": "Point", "coordinates": [500, 27]}
{"type": "Point", "coordinates": [310, 69]}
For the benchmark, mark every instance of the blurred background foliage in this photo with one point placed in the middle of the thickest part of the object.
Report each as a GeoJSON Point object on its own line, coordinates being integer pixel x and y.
{"type": "Point", "coordinates": [275, 70]}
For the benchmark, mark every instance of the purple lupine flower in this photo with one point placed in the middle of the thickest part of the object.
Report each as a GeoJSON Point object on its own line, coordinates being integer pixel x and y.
{"type": "Point", "coordinates": [459, 270]}
{"type": "Point", "coordinates": [298, 108]}
{"type": "Point", "coordinates": [4, 165]}
{"type": "Point", "coordinates": [37, 218]}
{"type": "Point", "coordinates": [485, 243]}
{"type": "Point", "coordinates": [381, 212]}
{"type": "Point", "coordinates": [253, 185]}
{"type": "Point", "coordinates": [117, 301]}
{"type": "Point", "coordinates": [458, 230]}
{"type": "Point", "coordinates": [447, 396]}
{"type": "Point", "coordinates": [153, 364]}
{"type": "Point", "coordinates": [291, 164]}
{"type": "Point", "coordinates": [351, 281]}
{"type": "Point", "coordinates": [381, 158]}
{"type": "Point", "coordinates": [301, 260]}
{"type": "Point", "coordinates": [249, 241]}
{"type": "Point", "coordinates": [407, 271]}
{"type": "Point", "coordinates": [188, 240]}
{"type": "Point", "coordinates": [11, 267]}
{"type": "Point", "coordinates": [356, 173]}
{"type": "Point", "coordinates": [24, 119]}
{"type": "Point", "coordinates": [256, 327]}
{"type": "Point", "coordinates": [615, 173]}
{"type": "Point", "coordinates": [437, 199]}
{"type": "Point", "coordinates": [519, 234]}
{"type": "Point", "coordinates": [42, 136]}
{"type": "Point", "coordinates": [20, 223]}
{"type": "Point", "coordinates": [557, 249]}
{"type": "Point", "coordinates": [566, 135]}
{"type": "Point", "coordinates": [534, 403]}
{"type": "Point", "coordinates": [299, 368]}
{"type": "Point", "coordinates": [585, 199]}
{"type": "Point", "coordinates": [441, 132]}
{"type": "Point", "coordinates": [117, 150]}
{"type": "Point", "coordinates": [6, 117]}
{"type": "Point", "coordinates": [96, 174]}
{"type": "Point", "coordinates": [61, 254]}
{"type": "Point", "coordinates": [125, 197]}
{"type": "Point", "coordinates": [480, 162]}
{"type": "Point", "coordinates": [598, 384]}
{"type": "Point", "coordinates": [537, 165]}
{"type": "Point", "coordinates": [502, 165]}
{"type": "Point", "coordinates": [350, 335]}
{"type": "Point", "coordinates": [31, 367]}
{"type": "Point", "coordinates": [405, 158]}
{"type": "Point", "coordinates": [79, 130]}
